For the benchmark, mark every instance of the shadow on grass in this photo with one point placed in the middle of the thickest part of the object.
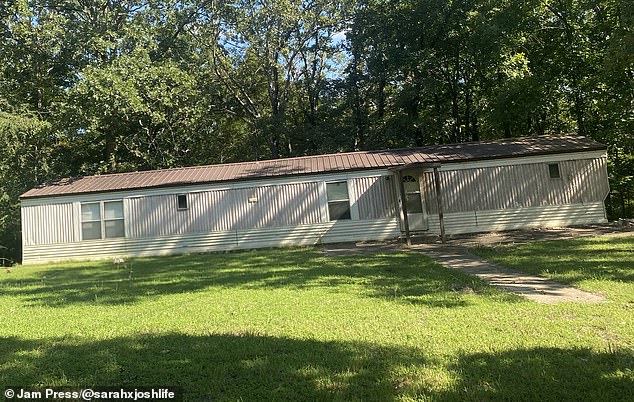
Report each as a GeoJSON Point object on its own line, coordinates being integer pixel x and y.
{"type": "Point", "coordinates": [404, 277]}
{"type": "Point", "coordinates": [569, 261]}
{"type": "Point", "coordinates": [214, 367]}
{"type": "Point", "coordinates": [544, 374]}
{"type": "Point", "coordinates": [247, 366]}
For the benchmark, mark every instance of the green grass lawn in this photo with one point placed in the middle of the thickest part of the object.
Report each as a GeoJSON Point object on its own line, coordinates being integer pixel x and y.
{"type": "Point", "coordinates": [295, 325]}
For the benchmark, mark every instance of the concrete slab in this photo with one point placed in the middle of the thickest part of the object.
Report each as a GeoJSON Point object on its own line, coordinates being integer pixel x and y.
{"type": "Point", "coordinates": [615, 229]}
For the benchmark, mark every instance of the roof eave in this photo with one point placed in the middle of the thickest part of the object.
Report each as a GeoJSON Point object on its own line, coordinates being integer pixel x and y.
{"type": "Point", "coordinates": [590, 148]}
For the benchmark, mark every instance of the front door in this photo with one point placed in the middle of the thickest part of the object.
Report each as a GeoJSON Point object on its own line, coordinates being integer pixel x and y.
{"type": "Point", "coordinates": [416, 216]}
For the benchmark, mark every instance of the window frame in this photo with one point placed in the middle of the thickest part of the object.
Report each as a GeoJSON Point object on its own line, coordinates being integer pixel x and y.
{"type": "Point", "coordinates": [328, 201]}
{"type": "Point", "coordinates": [178, 203]}
{"type": "Point", "coordinates": [122, 219]}
{"type": "Point", "coordinates": [102, 219]}
{"type": "Point", "coordinates": [550, 171]}
{"type": "Point", "coordinates": [82, 221]}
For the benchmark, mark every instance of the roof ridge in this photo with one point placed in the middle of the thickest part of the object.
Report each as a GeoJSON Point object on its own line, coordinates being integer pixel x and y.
{"type": "Point", "coordinates": [314, 164]}
{"type": "Point", "coordinates": [322, 155]}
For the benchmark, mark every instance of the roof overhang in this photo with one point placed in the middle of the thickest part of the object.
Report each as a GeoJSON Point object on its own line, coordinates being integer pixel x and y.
{"type": "Point", "coordinates": [413, 166]}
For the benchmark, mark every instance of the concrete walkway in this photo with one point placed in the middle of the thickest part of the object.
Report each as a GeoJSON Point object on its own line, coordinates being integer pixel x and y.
{"type": "Point", "coordinates": [453, 256]}
{"type": "Point", "coordinates": [536, 288]}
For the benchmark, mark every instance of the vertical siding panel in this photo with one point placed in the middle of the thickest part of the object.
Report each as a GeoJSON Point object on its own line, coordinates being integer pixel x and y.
{"type": "Point", "coordinates": [509, 186]}
{"type": "Point", "coordinates": [573, 185]}
{"type": "Point", "coordinates": [49, 224]}
{"type": "Point", "coordinates": [517, 186]}
{"type": "Point", "coordinates": [456, 186]}
{"type": "Point", "coordinates": [27, 223]}
{"type": "Point", "coordinates": [472, 183]}
{"type": "Point", "coordinates": [576, 188]}
{"type": "Point", "coordinates": [589, 191]}
{"type": "Point", "coordinates": [375, 197]}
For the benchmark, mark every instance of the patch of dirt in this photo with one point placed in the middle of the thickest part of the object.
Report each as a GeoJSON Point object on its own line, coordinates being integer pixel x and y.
{"type": "Point", "coordinates": [619, 228]}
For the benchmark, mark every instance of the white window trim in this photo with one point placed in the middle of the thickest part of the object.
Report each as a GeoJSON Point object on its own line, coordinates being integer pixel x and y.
{"type": "Point", "coordinates": [178, 207]}
{"type": "Point", "coordinates": [353, 198]}
{"type": "Point", "coordinates": [82, 221]}
{"type": "Point", "coordinates": [103, 219]}
{"type": "Point", "coordinates": [323, 202]}
{"type": "Point", "coordinates": [558, 171]}
{"type": "Point", "coordinates": [354, 212]}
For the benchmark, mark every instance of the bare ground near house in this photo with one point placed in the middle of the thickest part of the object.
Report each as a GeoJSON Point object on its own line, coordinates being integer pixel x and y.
{"type": "Point", "coordinates": [454, 254]}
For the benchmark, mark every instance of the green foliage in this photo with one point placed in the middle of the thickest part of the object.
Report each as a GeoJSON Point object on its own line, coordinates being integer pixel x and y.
{"type": "Point", "coordinates": [138, 111]}
{"type": "Point", "coordinates": [27, 159]}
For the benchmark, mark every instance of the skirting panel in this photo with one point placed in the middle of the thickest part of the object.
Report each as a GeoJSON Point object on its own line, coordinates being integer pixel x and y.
{"type": "Point", "coordinates": [509, 219]}
{"type": "Point", "coordinates": [310, 234]}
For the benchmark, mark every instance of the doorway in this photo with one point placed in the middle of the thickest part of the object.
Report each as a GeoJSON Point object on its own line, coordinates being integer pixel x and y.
{"type": "Point", "coordinates": [416, 215]}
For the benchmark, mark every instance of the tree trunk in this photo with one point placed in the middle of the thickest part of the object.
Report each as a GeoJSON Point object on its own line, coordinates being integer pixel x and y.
{"type": "Point", "coordinates": [357, 112]}
{"type": "Point", "coordinates": [455, 114]}
{"type": "Point", "coordinates": [467, 113]}
{"type": "Point", "coordinates": [274, 95]}
{"type": "Point", "coordinates": [475, 134]}
{"type": "Point", "coordinates": [507, 129]}
{"type": "Point", "coordinates": [109, 152]}
{"type": "Point", "coordinates": [381, 97]}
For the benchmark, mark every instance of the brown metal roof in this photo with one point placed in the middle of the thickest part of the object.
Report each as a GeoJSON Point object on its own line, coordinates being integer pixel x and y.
{"type": "Point", "coordinates": [342, 162]}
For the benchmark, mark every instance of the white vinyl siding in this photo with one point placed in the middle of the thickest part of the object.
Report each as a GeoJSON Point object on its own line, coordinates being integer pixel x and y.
{"type": "Point", "coordinates": [224, 210]}
{"type": "Point", "coordinates": [49, 224]}
{"type": "Point", "coordinates": [519, 218]}
{"type": "Point", "coordinates": [375, 197]}
{"type": "Point", "coordinates": [518, 186]}
{"type": "Point", "coordinates": [308, 234]}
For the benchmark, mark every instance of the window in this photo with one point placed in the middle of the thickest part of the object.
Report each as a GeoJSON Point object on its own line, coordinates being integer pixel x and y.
{"type": "Point", "coordinates": [91, 221]}
{"type": "Point", "coordinates": [412, 195]}
{"type": "Point", "coordinates": [101, 220]}
{"type": "Point", "coordinates": [182, 201]}
{"type": "Point", "coordinates": [338, 200]}
{"type": "Point", "coordinates": [553, 169]}
{"type": "Point", "coordinates": [113, 219]}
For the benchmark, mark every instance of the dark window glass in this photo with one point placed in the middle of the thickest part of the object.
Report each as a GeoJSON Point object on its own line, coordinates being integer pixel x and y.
{"type": "Point", "coordinates": [114, 228]}
{"type": "Point", "coordinates": [91, 230]}
{"type": "Point", "coordinates": [339, 210]}
{"type": "Point", "coordinates": [553, 169]}
{"type": "Point", "coordinates": [338, 201]}
{"type": "Point", "coordinates": [414, 206]}
{"type": "Point", "coordinates": [91, 221]}
{"type": "Point", "coordinates": [182, 201]}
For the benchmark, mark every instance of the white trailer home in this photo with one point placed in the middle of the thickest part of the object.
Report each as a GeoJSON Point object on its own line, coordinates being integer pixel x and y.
{"type": "Point", "coordinates": [368, 195]}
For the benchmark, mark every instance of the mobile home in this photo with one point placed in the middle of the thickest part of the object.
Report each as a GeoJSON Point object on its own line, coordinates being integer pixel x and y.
{"type": "Point", "coordinates": [367, 195]}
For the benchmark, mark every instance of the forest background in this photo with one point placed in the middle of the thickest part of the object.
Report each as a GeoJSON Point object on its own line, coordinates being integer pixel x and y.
{"type": "Point", "coordinates": [101, 86]}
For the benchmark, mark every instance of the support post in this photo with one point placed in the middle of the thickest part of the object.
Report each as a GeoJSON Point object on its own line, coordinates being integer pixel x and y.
{"type": "Point", "coordinates": [441, 217]}
{"type": "Point", "coordinates": [401, 188]}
